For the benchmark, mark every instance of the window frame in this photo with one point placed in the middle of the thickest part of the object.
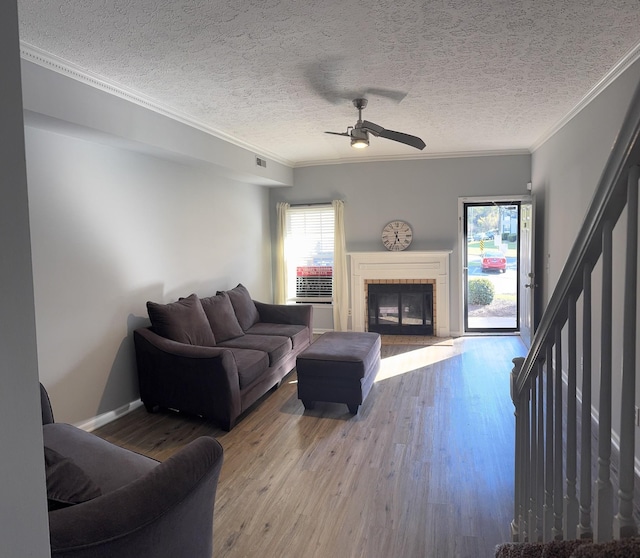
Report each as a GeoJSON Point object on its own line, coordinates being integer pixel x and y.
{"type": "Point", "coordinates": [307, 225]}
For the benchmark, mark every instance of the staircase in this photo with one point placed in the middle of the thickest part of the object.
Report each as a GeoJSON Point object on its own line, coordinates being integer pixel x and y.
{"type": "Point", "coordinates": [569, 414]}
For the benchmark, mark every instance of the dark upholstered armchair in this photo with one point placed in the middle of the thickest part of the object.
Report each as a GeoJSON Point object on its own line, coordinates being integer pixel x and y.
{"type": "Point", "coordinates": [143, 507]}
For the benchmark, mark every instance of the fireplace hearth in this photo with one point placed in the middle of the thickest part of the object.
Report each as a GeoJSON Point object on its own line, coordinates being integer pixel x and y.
{"type": "Point", "coordinates": [400, 308]}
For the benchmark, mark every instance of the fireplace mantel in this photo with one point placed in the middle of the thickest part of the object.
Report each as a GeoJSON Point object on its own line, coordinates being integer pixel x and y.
{"type": "Point", "coordinates": [398, 266]}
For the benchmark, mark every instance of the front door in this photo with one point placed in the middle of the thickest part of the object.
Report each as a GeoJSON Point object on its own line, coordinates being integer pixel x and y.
{"type": "Point", "coordinates": [492, 262]}
{"type": "Point", "coordinates": [527, 283]}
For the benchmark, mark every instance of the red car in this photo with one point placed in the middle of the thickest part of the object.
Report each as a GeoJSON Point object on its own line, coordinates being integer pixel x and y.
{"type": "Point", "coordinates": [494, 260]}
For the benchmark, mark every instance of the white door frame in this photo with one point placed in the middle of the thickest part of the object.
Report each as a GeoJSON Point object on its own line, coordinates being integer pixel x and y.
{"type": "Point", "coordinates": [526, 279]}
{"type": "Point", "coordinates": [521, 198]}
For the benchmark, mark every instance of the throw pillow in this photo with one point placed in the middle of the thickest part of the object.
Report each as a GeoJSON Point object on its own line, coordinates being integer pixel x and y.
{"type": "Point", "coordinates": [183, 321]}
{"type": "Point", "coordinates": [245, 309]}
{"type": "Point", "coordinates": [221, 316]}
{"type": "Point", "coordinates": [67, 483]}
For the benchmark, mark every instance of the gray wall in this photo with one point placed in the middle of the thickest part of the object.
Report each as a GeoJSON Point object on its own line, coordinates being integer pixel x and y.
{"type": "Point", "coordinates": [565, 174]}
{"type": "Point", "coordinates": [112, 229]}
{"type": "Point", "coordinates": [122, 214]}
{"type": "Point", "coordinates": [422, 192]}
{"type": "Point", "coordinates": [23, 512]}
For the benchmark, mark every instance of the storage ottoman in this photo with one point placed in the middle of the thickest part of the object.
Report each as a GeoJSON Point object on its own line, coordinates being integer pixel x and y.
{"type": "Point", "coordinates": [339, 367]}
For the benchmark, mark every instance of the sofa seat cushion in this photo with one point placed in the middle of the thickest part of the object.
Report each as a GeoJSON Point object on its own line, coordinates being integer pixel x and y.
{"type": "Point", "coordinates": [108, 466]}
{"type": "Point", "coordinates": [183, 321]}
{"type": "Point", "coordinates": [251, 364]}
{"type": "Point", "coordinates": [298, 334]}
{"type": "Point", "coordinates": [275, 346]}
{"type": "Point", "coordinates": [243, 305]}
{"type": "Point", "coordinates": [221, 316]}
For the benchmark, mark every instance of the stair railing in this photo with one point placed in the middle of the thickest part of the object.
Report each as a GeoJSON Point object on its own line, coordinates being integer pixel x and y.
{"type": "Point", "coordinates": [553, 500]}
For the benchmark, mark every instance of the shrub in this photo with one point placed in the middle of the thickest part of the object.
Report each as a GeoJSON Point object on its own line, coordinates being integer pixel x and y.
{"type": "Point", "coordinates": [481, 291]}
{"type": "Point", "coordinates": [513, 237]}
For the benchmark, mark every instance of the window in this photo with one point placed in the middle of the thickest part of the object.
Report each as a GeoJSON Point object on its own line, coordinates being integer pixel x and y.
{"type": "Point", "coordinates": [308, 250]}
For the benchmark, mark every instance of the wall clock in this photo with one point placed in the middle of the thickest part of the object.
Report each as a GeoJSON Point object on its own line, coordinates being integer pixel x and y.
{"type": "Point", "coordinates": [396, 236]}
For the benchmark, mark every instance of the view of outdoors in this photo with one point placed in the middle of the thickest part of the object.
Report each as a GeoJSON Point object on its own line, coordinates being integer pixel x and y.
{"type": "Point", "coordinates": [492, 264]}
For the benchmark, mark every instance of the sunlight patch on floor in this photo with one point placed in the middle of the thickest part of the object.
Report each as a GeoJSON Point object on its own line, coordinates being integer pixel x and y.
{"type": "Point", "coordinates": [412, 360]}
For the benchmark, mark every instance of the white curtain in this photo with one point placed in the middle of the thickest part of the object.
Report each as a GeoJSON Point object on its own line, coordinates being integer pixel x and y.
{"type": "Point", "coordinates": [280, 294]}
{"type": "Point", "coordinates": [340, 281]}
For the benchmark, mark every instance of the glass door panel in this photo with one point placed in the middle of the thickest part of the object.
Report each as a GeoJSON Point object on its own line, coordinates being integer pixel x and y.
{"type": "Point", "coordinates": [491, 258]}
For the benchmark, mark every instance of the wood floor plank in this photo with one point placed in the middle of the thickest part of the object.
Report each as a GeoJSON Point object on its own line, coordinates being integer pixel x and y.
{"type": "Point", "coordinates": [424, 469]}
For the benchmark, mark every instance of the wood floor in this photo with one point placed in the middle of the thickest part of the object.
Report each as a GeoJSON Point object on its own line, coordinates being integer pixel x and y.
{"type": "Point", "coordinates": [424, 470]}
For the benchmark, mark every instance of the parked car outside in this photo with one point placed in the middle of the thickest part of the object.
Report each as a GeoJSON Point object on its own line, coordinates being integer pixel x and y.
{"type": "Point", "coordinates": [494, 260]}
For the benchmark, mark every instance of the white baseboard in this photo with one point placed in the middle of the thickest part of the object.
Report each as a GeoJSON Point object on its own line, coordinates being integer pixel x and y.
{"type": "Point", "coordinates": [595, 416]}
{"type": "Point", "coordinates": [105, 418]}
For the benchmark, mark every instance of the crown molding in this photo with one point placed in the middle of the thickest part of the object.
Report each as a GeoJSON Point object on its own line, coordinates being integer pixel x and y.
{"type": "Point", "coordinates": [54, 63]}
{"type": "Point", "coordinates": [624, 64]}
{"type": "Point", "coordinates": [418, 157]}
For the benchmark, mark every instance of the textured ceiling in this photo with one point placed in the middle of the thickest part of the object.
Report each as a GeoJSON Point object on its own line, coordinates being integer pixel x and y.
{"type": "Point", "coordinates": [475, 75]}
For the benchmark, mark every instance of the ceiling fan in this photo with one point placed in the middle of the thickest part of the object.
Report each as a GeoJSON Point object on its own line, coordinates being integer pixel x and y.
{"type": "Point", "coordinates": [359, 133]}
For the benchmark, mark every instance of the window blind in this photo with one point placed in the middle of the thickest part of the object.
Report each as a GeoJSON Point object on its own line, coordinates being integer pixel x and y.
{"type": "Point", "coordinates": [309, 253]}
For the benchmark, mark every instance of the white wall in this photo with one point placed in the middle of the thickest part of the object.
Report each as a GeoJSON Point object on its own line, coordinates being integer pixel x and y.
{"type": "Point", "coordinates": [112, 229]}
{"type": "Point", "coordinates": [23, 511]}
{"type": "Point", "coordinates": [423, 192]}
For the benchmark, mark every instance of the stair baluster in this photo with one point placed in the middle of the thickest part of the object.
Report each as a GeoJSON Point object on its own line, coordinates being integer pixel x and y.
{"type": "Point", "coordinates": [571, 500]}
{"type": "Point", "coordinates": [585, 528]}
{"type": "Point", "coordinates": [558, 500]}
{"type": "Point", "coordinates": [604, 489]}
{"type": "Point", "coordinates": [625, 525]}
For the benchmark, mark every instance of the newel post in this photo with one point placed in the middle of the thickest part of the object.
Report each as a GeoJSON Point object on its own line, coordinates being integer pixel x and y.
{"type": "Point", "coordinates": [518, 529]}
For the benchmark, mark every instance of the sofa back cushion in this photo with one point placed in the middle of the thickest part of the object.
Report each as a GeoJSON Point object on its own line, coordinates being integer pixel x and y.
{"type": "Point", "coordinates": [221, 316]}
{"type": "Point", "coordinates": [243, 305]}
{"type": "Point", "coordinates": [183, 321]}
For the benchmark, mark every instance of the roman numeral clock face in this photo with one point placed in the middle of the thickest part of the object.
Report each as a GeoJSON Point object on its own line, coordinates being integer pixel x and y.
{"type": "Point", "coordinates": [396, 236]}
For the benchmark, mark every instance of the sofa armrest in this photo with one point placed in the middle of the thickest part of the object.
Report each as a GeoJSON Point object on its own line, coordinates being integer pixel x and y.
{"type": "Point", "coordinates": [45, 406]}
{"type": "Point", "coordinates": [166, 513]}
{"type": "Point", "coordinates": [294, 314]}
{"type": "Point", "coordinates": [194, 379]}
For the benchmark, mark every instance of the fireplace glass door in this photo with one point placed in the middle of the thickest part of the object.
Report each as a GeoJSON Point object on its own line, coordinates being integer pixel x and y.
{"type": "Point", "coordinates": [400, 309]}
{"type": "Point", "coordinates": [388, 309]}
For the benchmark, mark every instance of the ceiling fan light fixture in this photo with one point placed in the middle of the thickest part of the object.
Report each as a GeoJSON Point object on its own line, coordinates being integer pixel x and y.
{"type": "Point", "coordinates": [359, 143]}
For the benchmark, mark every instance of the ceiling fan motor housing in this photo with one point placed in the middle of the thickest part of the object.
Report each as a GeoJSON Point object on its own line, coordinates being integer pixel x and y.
{"type": "Point", "coordinates": [359, 133]}
{"type": "Point", "coordinates": [360, 103]}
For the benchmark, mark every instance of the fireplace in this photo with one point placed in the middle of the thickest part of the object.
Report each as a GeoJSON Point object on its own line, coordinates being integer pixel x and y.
{"type": "Point", "coordinates": [410, 266]}
{"type": "Point", "coordinates": [400, 308]}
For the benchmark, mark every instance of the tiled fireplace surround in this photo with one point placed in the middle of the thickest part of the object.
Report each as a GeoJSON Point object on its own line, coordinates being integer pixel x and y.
{"type": "Point", "coordinates": [401, 267]}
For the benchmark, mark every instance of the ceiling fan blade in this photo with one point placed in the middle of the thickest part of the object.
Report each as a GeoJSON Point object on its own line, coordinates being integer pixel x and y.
{"type": "Point", "coordinates": [375, 129]}
{"type": "Point", "coordinates": [325, 77]}
{"type": "Point", "coordinates": [339, 134]}
{"type": "Point", "coordinates": [391, 94]}
{"type": "Point", "coordinates": [413, 141]}
{"type": "Point", "coordinates": [407, 139]}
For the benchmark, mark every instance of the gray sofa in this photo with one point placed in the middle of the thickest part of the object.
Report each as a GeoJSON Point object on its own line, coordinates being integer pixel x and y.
{"type": "Point", "coordinates": [106, 501]}
{"type": "Point", "coordinates": [216, 356]}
